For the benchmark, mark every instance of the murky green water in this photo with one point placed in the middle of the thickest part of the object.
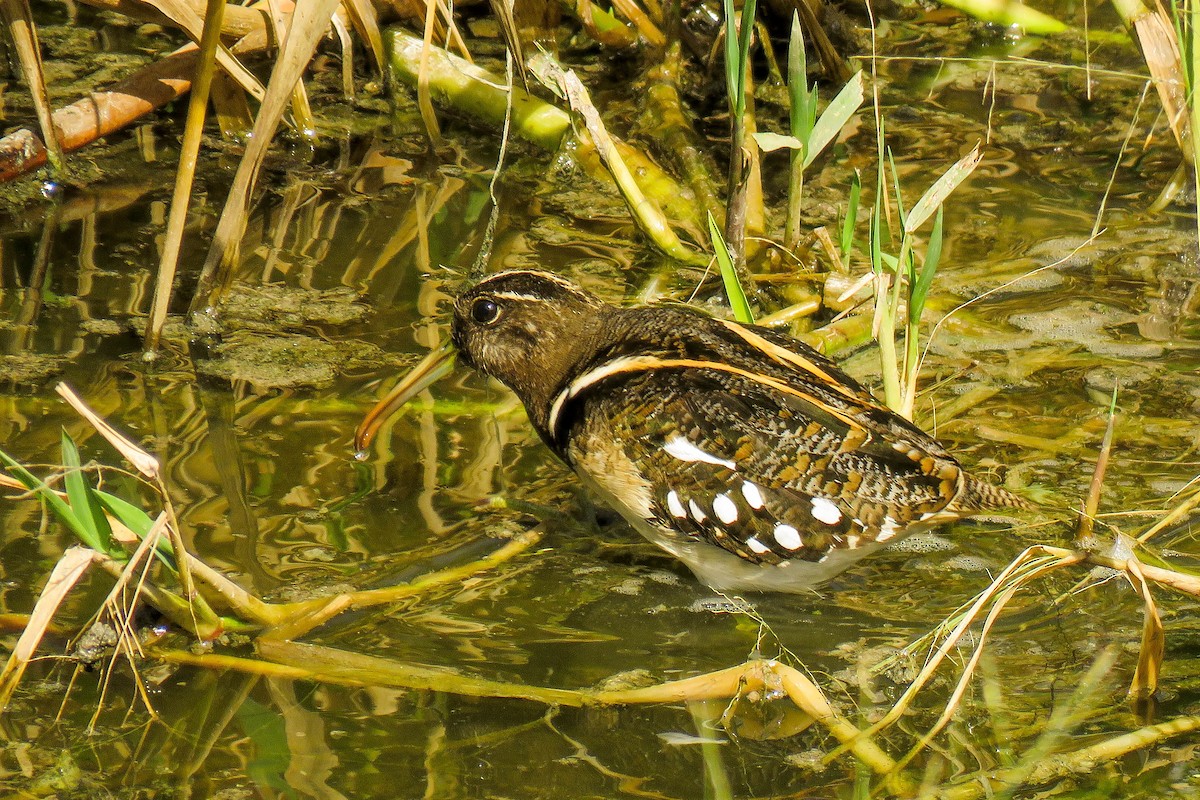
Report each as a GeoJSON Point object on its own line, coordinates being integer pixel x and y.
{"type": "Point", "coordinates": [347, 269]}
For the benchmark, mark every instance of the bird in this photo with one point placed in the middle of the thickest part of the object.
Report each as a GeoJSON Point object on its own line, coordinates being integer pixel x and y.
{"type": "Point", "coordinates": [742, 452]}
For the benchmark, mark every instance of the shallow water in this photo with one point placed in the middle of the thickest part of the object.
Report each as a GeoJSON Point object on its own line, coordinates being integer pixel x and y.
{"type": "Point", "coordinates": [347, 269]}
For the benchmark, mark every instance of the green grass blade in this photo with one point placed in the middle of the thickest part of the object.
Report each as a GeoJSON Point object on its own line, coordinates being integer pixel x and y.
{"type": "Point", "coordinates": [896, 189]}
{"type": "Point", "coordinates": [936, 194]}
{"type": "Point", "coordinates": [733, 287]}
{"type": "Point", "coordinates": [933, 254]}
{"type": "Point", "coordinates": [129, 515]}
{"type": "Point", "coordinates": [745, 35]}
{"type": "Point", "coordinates": [802, 96]}
{"type": "Point", "coordinates": [136, 520]}
{"type": "Point", "coordinates": [737, 52]}
{"type": "Point", "coordinates": [731, 65]}
{"type": "Point", "coordinates": [56, 504]}
{"type": "Point", "coordinates": [836, 115]}
{"type": "Point", "coordinates": [875, 235]}
{"type": "Point", "coordinates": [851, 220]}
{"type": "Point", "coordinates": [86, 509]}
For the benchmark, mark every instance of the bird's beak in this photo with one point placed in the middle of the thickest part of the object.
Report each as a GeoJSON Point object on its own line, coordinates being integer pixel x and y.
{"type": "Point", "coordinates": [432, 368]}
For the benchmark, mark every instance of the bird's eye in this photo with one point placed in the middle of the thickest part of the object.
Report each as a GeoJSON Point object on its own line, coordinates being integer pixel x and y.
{"type": "Point", "coordinates": [485, 311]}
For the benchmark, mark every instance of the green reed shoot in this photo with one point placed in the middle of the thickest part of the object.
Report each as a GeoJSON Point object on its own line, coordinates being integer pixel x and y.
{"type": "Point", "coordinates": [801, 121]}
{"type": "Point", "coordinates": [738, 34]}
{"type": "Point", "coordinates": [846, 241]}
{"type": "Point", "coordinates": [82, 511]}
{"type": "Point", "coordinates": [809, 134]}
{"type": "Point", "coordinates": [729, 276]}
{"type": "Point", "coordinates": [901, 286]}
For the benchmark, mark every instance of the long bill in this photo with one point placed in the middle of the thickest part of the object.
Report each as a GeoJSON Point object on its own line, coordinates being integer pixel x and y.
{"type": "Point", "coordinates": [432, 368]}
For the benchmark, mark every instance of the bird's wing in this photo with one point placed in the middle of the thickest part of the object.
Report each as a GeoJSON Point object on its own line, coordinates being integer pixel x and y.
{"type": "Point", "coordinates": [766, 470]}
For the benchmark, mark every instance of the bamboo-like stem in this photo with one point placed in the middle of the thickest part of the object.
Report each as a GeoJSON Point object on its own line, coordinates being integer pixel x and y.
{"type": "Point", "coordinates": [666, 121]}
{"type": "Point", "coordinates": [478, 94]}
{"type": "Point", "coordinates": [304, 31]}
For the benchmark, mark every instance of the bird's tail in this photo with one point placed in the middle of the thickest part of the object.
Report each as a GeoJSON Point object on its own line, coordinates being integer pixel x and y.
{"type": "Point", "coordinates": [981, 495]}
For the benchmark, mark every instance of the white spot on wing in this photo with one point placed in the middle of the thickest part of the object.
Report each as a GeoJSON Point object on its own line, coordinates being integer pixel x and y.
{"type": "Point", "coordinates": [697, 512]}
{"type": "Point", "coordinates": [753, 496]}
{"type": "Point", "coordinates": [725, 509]}
{"type": "Point", "coordinates": [756, 546]}
{"type": "Point", "coordinates": [887, 530]}
{"type": "Point", "coordinates": [823, 510]}
{"type": "Point", "coordinates": [788, 537]}
{"type": "Point", "coordinates": [684, 450]}
{"type": "Point", "coordinates": [674, 506]}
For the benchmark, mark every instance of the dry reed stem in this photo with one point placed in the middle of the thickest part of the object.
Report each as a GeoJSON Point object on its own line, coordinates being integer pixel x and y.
{"type": "Point", "coordinates": [302, 616]}
{"type": "Point", "coordinates": [424, 100]}
{"type": "Point", "coordinates": [1160, 49]}
{"type": "Point", "coordinates": [1150, 654]}
{"type": "Point", "coordinates": [148, 465]}
{"type": "Point", "coordinates": [649, 217]}
{"type": "Point", "coordinates": [1058, 766]}
{"type": "Point", "coordinates": [634, 13]}
{"type": "Point", "coordinates": [239, 20]}
{"type": "Point", "coordinates": [1091, 505]}
{"type": "Point", "coordinates": [185, 174]}
{"type": "Point", "coordinates": [1027, 557]}
{"type": "Point", "coordinates": [18, 17]}
{"type": "Point", "coordinates": [304, 31]}
{"type": "Point", "coordinates": [968, 671]}
{"type": "Point", "coordinates": [1175, 515]}
{"type": "Point", "coordinates": [102, 113]}
{"type": "Point", "coordinates": [305, 661]}
{"type": "Point", "coordinates": [66, 573]}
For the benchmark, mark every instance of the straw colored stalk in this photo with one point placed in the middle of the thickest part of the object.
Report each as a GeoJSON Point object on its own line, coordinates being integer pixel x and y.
{"type": "Point", "coordinates": [482, 97]}
{"type": "Point", "coordinates": [1160, 49]}
{"type": "Point", "coordinates": [304, 661]}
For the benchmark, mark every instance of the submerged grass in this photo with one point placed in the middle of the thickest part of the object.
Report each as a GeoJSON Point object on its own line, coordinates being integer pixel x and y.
{"type": "Point", "coordinates": [278, 627]}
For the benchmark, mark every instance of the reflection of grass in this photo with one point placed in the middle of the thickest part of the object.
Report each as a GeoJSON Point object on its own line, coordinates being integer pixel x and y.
{"type": "Point", "coordinates": [110, 529]}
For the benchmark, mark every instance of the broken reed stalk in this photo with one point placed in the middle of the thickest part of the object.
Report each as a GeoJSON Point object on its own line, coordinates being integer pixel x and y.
{"type": "Point", "coordinates": [184, 176]}
{"type": "Point", "coordinates": [18, 17]}
{"type": "Point", "coordinates": [306, 27]}
{"type": "Point", "coordinates": [665, 120]}
{"type": "Point", "coordinates": [66, 573]}
{"type": "Point", "coordinates": [1091, 505]}
{"type": "Point", "coordinates": [482, 96]}
{"type": "Point", "coordinates": [1160, 49]}
{"type": "Point", "coordinates": [646, 213]}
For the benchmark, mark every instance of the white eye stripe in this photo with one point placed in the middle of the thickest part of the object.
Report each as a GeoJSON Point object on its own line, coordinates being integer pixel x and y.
{"type": "Point", "coordinates": [518, 296]}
